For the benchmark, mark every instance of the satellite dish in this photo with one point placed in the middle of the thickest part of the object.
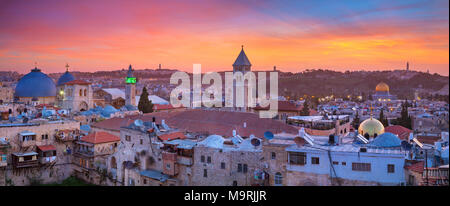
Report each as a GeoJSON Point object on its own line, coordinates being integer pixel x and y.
{"type": "Point", "coordinates": [138, 123]}
{"type": "Point", "coordinates": [268, 135]}
{"type": "Point", "coordinates": [255, 142]}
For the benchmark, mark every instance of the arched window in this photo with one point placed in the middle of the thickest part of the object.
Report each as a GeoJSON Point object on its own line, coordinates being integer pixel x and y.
{"type": "Point", "coordinates": [85, 92]}
{"type": "Point", "coordinates": [278, 179]}
{"type": "Point", "coordinates": [81, 92]}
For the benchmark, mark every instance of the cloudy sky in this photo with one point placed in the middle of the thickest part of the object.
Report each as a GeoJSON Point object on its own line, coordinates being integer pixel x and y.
{"type": "Point", "coordinates": [293, 35]}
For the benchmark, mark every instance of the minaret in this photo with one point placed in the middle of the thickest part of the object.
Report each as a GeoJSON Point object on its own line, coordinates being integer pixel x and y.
{"type": "Point", "coordinates": [407, 66]}
{"type": "Point", "coordinates": [130, 88]}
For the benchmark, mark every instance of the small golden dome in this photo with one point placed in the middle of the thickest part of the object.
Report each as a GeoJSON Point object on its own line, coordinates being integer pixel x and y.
{"type": "Point", "coordinates": [371, 126]}
{"type": "Point", "coordinates": [382, 87]}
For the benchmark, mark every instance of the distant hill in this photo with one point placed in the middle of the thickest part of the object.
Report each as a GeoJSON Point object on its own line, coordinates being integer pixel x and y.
{"type": "Point", "coordinates": [326, 82]}
{"type": "Point", "coordinates": [310, 82]}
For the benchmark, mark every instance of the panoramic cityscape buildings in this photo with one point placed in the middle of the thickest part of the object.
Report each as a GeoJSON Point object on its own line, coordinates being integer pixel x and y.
{"type": "Point", "coordinates": [119, 127]}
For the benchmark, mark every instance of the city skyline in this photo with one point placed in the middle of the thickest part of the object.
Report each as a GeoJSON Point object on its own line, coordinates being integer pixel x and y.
{"type": "Point", "coordinates": [351, 36]}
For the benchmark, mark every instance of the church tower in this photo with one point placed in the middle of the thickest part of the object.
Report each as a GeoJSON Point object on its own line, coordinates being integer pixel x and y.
{"type": "Point", "coordinates": [130, 88]}
{"type": "Point", "coordinates": [241, 64]}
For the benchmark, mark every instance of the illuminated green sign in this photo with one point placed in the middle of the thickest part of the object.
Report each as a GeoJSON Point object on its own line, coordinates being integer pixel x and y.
{"type": "Point", "coordinates": [131, 80]}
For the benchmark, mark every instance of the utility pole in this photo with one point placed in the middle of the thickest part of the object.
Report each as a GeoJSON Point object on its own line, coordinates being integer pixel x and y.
{"type": "Point", "coordinates": [426, 165]}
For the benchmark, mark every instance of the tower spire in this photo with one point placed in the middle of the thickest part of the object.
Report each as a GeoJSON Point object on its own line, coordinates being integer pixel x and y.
{"type": "Point", "coordinates": [67, 67]}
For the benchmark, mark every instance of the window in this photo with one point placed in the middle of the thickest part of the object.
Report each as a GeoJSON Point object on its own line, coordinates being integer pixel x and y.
{"type": "Point", "coordinates": [274, 155]}
{"type": "Point", "coordinates": [128, 138]}
{"type": "Point", "coordinates": [209, 159]}
{"type": "Point", "coordinates": [205, 173]}
{"type": "Point", "coordinates": [44, 136]}
{"type": "Point", "coordinates": [168, 166]}
{"type": "Point", "coordinates": [344, 163]}
{"type": "Point", "coordinates": [239, 169]}
{"type": "Point", "coordinates": [142, 141]}
{"type": "Point", "coordinates": [278, 179]}
{"type": "Point", "coordinates": [245, 168]}
{"type": "Point", "coordinates": [297, 158]}
{"type": "Point", "coordinates": [81, 92]}
{"type": "Point", "coordinates": [390, 168]}
{"type": "Point", "coordinates": [411, 180]}
{"type": "Point", "coordinates": [364, 167]}
{"type": "Point", "coordinates": [315, 160]}
{"type": "Point", "coordinates": [85, 92]}
{"type": "Point", "coordinates": [335, 163]}
{"type": "Point", "coordinates": [145, 181]}
{"type": "Point", "coordinates": [202, 158]}
{"type": "Point", "coordinates": [222, 165]}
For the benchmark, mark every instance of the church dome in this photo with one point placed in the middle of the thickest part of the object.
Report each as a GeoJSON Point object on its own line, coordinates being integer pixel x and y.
{"type": "Point", "coordinates": [66, 77]}
{"type": "Point", "coordinates": [382, 87]}
{"type": "Point", "coordinates": [371, 126]}
{"type": "Point", "coordinates": [387, 140]}
{"type": "Point", "coordinates": [35, 84]}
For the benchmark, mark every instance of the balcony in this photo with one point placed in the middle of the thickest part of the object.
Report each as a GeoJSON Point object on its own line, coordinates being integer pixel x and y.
{"type": "Point", "coordinates": [84, 153]}
{"type": "Point", "coordinates": [182, 160]}
{"type": "Point", "coordinates": [21, 160]}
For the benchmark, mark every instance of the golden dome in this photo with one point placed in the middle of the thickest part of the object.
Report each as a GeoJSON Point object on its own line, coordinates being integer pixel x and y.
{"type": "Point", "coordinates": [371, 126]}
{"type": "Point", "coordinates": [382, 87]}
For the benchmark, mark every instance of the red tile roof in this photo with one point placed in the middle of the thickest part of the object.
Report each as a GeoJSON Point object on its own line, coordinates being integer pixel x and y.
{"type": "Point", "coordinates": [46, 147]}
{"type": "Point", "coordinates": [82, 82]}
{"type": "Point", "coordinates": [284, 106]}
{"type": "Point", "coordinates": [400, 131]}
{"type": "Point", "coordinates": [158, 107]}
{"type": "Point", "coordinates": [100, 137]}
{"type": "Point", "coordinates": [428, 139]}
{"type": "Point", "coordinates": [114, 123]}
{"type": "Point", "coordinates": [172, 136]}
{"type": "Point", "coordinates": [202, 121]}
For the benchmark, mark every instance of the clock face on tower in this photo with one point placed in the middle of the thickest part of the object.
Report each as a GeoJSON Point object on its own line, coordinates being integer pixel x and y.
{"type": "Point", "coordinates": [130, 80]}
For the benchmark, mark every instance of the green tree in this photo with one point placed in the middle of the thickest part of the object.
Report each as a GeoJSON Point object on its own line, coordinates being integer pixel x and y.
{"type": "Point", "coordinates": [405, 120]}
{"type": "Point", "coordinates": [305, 109]}
{"type": "Point", "coordinates": [356, 121]}
{"type": "Point", "coordinates": [145, 106]}
{"type": "Point", "coordinates": [383, 119]}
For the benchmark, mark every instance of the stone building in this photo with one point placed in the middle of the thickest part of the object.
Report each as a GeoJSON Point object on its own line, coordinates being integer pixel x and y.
{"type": "Point", "coordinates": [77, 95]}
{"type": "Point", "coordinates": [27, 150]}
{"type": "Point", "coordinates": [91, 154]}
{"type": "Point", "coordinates": [227, 161]}
{"type": "Point", "coordinates": [6, 94]}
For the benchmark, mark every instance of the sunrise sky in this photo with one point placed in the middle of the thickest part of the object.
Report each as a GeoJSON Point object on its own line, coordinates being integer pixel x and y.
{"type": "Point", "coordinates": [293, 35]}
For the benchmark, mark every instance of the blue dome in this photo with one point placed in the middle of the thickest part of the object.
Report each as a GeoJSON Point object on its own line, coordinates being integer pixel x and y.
{"type": "Point", "coordinates": [386, 139]}
{"type": "Point", "coordinates": [66, 77]}
{"type": "Point", "coordinates": [35, 84]}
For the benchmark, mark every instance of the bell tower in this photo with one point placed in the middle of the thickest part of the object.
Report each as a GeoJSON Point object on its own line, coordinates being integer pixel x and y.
{"type": "Point", "coordinates": [241, 64]}
{"type": "Point", "coordinates": [130, 88]}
